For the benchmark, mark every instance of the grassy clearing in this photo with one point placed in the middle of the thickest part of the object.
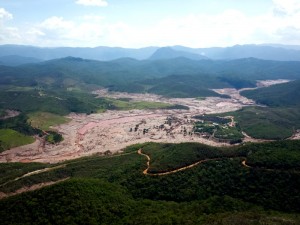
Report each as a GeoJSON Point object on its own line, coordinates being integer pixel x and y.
{"type": "Point", "coordinates": [44, 120]}
{"type": "Point", "coordinates": [10, 138]}
{"type": "Point", "coordinates": [128, 105]}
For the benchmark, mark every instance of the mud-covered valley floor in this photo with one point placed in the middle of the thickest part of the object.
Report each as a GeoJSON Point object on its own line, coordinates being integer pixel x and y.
{"type": "Point", "coordinates": [110, 132]}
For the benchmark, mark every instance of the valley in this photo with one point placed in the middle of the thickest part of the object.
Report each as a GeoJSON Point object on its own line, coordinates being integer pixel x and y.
{"type": "Point", "coordinates": [112, 131]}
{"type": "Point", "coordinates": [192, 154]}
{"type": "Point", "coordinates": [150, 112]}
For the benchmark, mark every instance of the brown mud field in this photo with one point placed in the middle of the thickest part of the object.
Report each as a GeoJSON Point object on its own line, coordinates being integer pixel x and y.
{"type": "Point", "coordinates": [110, 132]}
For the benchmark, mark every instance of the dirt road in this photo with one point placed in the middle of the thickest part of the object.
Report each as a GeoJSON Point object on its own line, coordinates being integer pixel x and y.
{"type": "Point", "coordinates": [30, 188]}
{"type": "Point", "coordinates": [172, 171]}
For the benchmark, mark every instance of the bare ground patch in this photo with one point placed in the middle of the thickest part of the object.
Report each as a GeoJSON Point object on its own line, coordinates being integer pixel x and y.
{"type": "Point", "coordinates": [112, 131]}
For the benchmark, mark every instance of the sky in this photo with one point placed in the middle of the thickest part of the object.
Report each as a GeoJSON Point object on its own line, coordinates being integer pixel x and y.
{"type": "Point", "coordinates": [141, 23]}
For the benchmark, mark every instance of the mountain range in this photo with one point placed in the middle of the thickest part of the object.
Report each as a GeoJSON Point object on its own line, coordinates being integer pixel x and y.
{"type": "Point", "coordinates": [34, 54]}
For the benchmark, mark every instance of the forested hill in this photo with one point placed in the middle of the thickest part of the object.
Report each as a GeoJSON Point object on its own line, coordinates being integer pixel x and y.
{"type": "Point", "coordinates": [131, 75]}
{"type": "Point", "coordinates": [277, 121]}
{"type": "Point", "coordinates": [287, 94]}
{"type": "Point", "coordinates": [237, 185]}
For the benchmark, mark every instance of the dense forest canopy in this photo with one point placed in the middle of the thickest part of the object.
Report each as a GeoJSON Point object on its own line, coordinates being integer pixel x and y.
{"type": "Point", "coordinates": [114, 190]}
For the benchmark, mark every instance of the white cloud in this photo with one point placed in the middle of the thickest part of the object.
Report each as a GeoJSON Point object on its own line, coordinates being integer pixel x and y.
{"type": "Point", "coordinates": [228, 28]}
{"type": "Point", "coordinates": [4, 15]}
{"type": "Point", "coordinates": [196, 30]}
{"type": "Point", "coordinates": [285, 19]}
{"type": "Point", "coordinates": [93, 18]}
{"type": "Point", "coordinates": [100, 3]}
{"type": "Point", "coordinates": [57, 31]}
{"type": "Point", "coordinates": [286, 7]}
{"type": "Point", "coordinates": [8, 34]}
{"type": "Point", "coordinates": [56, 23]}
{"type": "Point", "coordinates": [280, 24]}
{"type": "Point", "coordinates": [35, 32]}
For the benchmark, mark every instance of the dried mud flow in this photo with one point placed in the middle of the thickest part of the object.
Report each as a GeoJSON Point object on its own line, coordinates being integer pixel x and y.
{"type": "Point", "coordinates": [112, 131]}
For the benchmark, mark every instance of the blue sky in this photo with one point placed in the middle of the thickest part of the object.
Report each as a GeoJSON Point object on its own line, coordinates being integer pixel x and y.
{"type": "Point", "coordinates": [140, 23]}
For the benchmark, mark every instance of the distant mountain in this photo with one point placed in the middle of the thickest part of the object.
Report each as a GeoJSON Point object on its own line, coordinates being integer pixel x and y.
{"type": "Point", "coordinates": [15, 60]}
{"type": "Point", "coordinates": [277, 53]}
{"type": "Point", "coordinates": [260, 52]}
{"type": "Point", "coordinates": [267, 52]}
{"type": "Point", "coordinates": [170, 53]}
{"type": "Point", "coordinates": [98, 53]}
{"type": "Point", "coordinates": [294, 47]}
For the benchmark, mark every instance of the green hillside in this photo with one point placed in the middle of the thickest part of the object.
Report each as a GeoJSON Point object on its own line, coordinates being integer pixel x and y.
{"type": "Point", "coordinates": [278, 119]}
{"type": "Point", "coordinates": [44, 120]}
{"type": "Point", "coordinates": [131, 75]}
{"type": "Point", "coordinates": [20, 124]}
{"type": "Point", "coordinates": [187, 183]}
{"type": "Point", "coordinates": [185, 85]}
{"type": "Point", "coordinates": [287, 94]}
{"type": "Point", "coordinates": [113, 189]}
{"type": "Point", "coordinates": [61, 85]}
{"type": "Point", "coordinates": [53, 101]}
{"type": "Point", "coordinates": [275, 123]}
{"type": "Point", "coordinates": [92, 201]}
{"type": "Point", "coordinates": [10, 138]}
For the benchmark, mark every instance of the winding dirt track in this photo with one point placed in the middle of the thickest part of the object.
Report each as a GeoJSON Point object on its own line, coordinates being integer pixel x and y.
{"type": "Point", "coordinates": [43, 184]}
{"type": "Point", "coordinates": [30, 188]}
{"type": "Point", "coordinates": [244, 164]}
{"type": "Point", "coordinates": [34, 172]}
{"type": "Point", "coordinates": [172, 171]}
{"type": "Point", "coordinates": [145, 172]}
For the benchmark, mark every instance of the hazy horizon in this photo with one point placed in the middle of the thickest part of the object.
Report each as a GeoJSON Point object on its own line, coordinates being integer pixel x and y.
{"type": "Point", "coordinates": [167, 46]}
{"type": "Point", "coordinates": [137, 24]}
